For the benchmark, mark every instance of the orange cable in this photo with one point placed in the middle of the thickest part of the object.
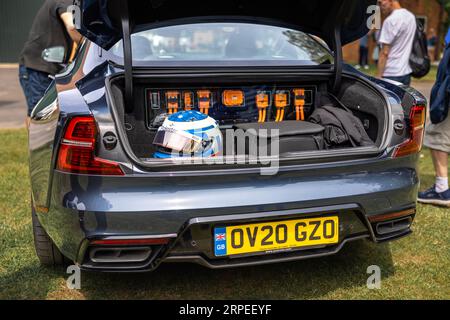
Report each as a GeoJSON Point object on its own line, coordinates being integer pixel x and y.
{"type": "Point", "coordinates": [277, 119]}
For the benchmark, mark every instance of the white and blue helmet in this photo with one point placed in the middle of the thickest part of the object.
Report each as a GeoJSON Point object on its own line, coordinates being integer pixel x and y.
{"type": "Point", "coordinates": [188, 134]}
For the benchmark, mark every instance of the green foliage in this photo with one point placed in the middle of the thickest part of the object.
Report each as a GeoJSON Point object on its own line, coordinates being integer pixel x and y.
{"type": "Point", "coordinates": [446, 5]}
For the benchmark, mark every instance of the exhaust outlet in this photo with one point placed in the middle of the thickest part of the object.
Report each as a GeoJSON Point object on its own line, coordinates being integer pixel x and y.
{"type": "Point", "coordinates": [394, 226]}
{"type": "Point", "coordinates": [120, 255]}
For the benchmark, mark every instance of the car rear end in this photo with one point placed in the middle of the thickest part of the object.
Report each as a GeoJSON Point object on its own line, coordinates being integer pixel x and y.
{"type": "Point", "coordinates": [108, 210]}
{"type": "Point", "coordinates": [112, 215]}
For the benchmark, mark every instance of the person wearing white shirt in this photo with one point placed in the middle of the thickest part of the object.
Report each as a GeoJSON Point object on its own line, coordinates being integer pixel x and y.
{"type": "Point", "coordinates": [396, 40]}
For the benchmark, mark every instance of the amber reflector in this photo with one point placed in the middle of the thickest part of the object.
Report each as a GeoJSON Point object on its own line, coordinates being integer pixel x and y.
{"type": "Point", "coordinates": [392, 215]}
{"type": "Point", "coordinates": [131, 242]}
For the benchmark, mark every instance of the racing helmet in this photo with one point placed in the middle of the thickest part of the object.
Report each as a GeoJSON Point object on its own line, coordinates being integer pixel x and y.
{"type": "Point", "coordinates": [188, 134]}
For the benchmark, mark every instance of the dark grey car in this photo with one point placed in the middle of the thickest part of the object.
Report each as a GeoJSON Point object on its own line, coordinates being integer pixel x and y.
{"type": "Point", "coordinates": [100, 199]}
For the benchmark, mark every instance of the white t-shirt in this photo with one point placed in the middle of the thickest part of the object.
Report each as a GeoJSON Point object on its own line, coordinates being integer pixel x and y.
{"type": "Point", "coordinates": [398, 31]}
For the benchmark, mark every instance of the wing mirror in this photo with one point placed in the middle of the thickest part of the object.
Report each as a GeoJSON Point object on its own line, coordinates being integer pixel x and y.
{"type": "Point", "coordinates": [54, 55]}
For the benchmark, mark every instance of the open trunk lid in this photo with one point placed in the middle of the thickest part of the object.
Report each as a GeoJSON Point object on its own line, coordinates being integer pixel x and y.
{"type": "Point", "coordinates": [337, 22]}
{"type": "Point", "coordinates": [102, 21]}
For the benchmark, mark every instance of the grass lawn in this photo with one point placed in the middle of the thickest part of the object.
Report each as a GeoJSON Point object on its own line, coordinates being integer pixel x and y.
{"type": "Point", "coordinates": [417, 267]}
{"type": "Point", "coordinates": [430, 77]}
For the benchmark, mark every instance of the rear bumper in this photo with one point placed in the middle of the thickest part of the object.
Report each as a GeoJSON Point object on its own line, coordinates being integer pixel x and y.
{"type": "Point", "coordinates": [188, 208]}
{"type": "Point", "coordinates": [194, 243]}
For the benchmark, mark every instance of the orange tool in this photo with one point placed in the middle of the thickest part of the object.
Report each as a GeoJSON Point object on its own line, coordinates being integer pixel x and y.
{"type": "Point", "coordinates": [281, 102]}
{"type": "Point", "coordinates": [173, 101]}
{"type": "Point", "coordinates": [300, 104]}
{"type": "Point", "coordinates": [188, 98]}
{"type": "Point", "coordinates": [262, 102]}
{"type": "Point", "coordinates": [204, 101]}
{"type": "Point", "coordinates": [233, 98]}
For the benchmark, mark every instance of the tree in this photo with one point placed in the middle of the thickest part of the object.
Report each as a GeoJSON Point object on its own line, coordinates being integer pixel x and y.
{"type": "Point", "coordinates": [445, 11]}
{"type": "Point", "coordinates": [445, 4]}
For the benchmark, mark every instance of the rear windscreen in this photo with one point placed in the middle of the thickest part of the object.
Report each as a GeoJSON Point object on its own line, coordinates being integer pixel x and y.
{"type": "Point", "coordinates": [226, 42]}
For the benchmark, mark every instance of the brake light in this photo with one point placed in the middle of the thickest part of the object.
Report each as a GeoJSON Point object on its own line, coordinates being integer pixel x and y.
{"type": "Point", "coordinates": [417, 130]}
{"type": "Point", "coordinates": [77, 150]}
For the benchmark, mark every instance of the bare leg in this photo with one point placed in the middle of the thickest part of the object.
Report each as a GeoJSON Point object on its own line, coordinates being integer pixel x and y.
{"type": "Point", "coordinates": [440, 161]}
{"type": "Point", "coordinates": [440, 193]}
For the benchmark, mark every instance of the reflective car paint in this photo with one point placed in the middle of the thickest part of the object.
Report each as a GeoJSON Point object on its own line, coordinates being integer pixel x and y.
{"type": "Point", "coordinates": [76, 208]}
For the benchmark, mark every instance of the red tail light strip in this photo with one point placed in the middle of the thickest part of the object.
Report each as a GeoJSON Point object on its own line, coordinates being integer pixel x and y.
{"type": "Point", "coordinates": [392, 216]}
{"type": "Point", "coordinates": [77, 150]}
{"type": "Point", "coordinates": [417, 130]}
{"type": "Point", "coordinates": [131, 242]}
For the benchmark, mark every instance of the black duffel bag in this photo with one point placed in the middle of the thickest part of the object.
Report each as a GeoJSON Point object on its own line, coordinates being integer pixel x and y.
{"type": "Point", "coordinates": [294, 136]}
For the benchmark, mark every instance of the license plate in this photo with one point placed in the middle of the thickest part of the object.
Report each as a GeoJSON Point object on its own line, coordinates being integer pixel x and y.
{"type": "Point", "coordinates": [275, 236]}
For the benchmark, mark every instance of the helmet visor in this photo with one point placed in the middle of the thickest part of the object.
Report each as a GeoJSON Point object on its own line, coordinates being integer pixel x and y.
{"type": "Point", "coordinates": [177, 141]}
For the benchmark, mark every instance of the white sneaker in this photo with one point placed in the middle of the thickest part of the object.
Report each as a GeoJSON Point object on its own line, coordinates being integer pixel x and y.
{"type": "Point", "coordinates": [357, 67]}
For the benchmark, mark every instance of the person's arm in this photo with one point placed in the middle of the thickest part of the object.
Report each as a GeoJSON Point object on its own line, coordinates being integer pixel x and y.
{"type": "Point", "coordinates": [67, 18]}
{"type": "Point", "coordinates": [384, 54]}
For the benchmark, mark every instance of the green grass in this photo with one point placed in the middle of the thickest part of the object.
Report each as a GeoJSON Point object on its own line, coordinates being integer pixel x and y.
{"type": "Point", "coordinates": [430, 77]}
{"type": "Point", "coordinates": [417, 267]}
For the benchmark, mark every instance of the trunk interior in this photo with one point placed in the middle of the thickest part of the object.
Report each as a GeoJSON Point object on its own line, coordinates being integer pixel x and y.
{"type": "Point", "coordinates": [152, 100]}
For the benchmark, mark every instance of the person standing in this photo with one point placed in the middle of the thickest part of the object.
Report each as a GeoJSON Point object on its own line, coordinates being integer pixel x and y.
{"type": "Point", "coordinates": [52, 27]}
{"type": "Point", "coordinates": [437, 136]}
{"type": "Point", "coordinates": [363, 53]}
{"type": "Point", "coordinates": [396, 40]}
{"type": "Point", "coordinates": [376, 49]}
{"type": "Point", "coordinates": [432, 39]}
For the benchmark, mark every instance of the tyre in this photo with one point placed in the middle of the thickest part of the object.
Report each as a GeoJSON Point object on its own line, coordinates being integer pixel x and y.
{"type": "Point", "coordinates": [48, 254]}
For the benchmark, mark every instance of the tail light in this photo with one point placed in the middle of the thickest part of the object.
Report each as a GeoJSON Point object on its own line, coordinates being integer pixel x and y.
{"type": "Point", "coordinates": [417, 130]}
{"type": "Point", "coordinates": [77, 150]}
